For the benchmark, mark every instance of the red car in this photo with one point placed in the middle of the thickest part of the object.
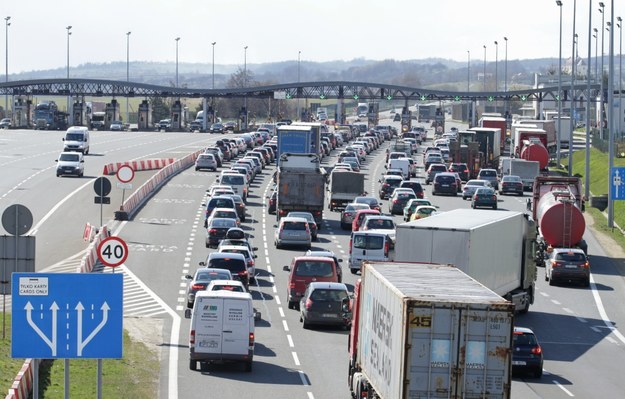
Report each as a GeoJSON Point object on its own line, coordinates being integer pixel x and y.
{"type": "Point", "coordinates": [360, 216]}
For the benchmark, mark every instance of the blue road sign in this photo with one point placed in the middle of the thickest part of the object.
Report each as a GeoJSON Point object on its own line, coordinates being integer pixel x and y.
{"type": "Point", "coordinates": [617, 179]}
{"type": "Point", "coordinates": [67, 315]}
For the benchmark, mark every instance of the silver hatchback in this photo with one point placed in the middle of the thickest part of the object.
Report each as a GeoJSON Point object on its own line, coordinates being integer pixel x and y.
{"type": "Point", "coordinates": [206, 161]}
{"type": "Point", "coordinates": [292, 231]}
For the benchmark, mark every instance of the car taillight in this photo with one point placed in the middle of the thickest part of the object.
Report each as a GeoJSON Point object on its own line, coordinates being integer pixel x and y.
{"type": "Point", "coordinates": [395, 201]}
{"type": "Point", "coordinates": [537, 350]}
{"type": "Point", "coordinates": [494, 198]}
{"type": "Point", "coordinates": [386, 248]}
{"type": "Point", "coordinates": [192, 337]}
{"type": "Point", "coordinates": [198, 286]}
{"type": "Point", "coordinates": [251, 339]}
{"type": "Point", "coordinates": [292, 286]}
{"type": "Point", "coordinates": [586, 264]}
{"type": "Point", "coordinates": [350, 246]}
{"type": "Point", "coordinates": [309, 304]}
{"type": "Point", "coordinates": [385, 185]}
{"type": "Point", "coordinates": [555, 263]}
{"type": "Point", "coordinates": [348, 214]}
{"type": "Point", "coordinates": [212, 231]}
{"type": "Point", "coordinates": [250, 262]}
{"type": "Point", "coordinates": [242, 274]}
{"type": "Point", "coordinates": [475, 197]}
{"type": "Point", "coordinates": [466, 171]}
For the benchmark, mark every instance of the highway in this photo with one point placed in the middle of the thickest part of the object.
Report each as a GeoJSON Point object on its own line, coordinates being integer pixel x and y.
{"type": "Point", "coordinates": [580, 329]}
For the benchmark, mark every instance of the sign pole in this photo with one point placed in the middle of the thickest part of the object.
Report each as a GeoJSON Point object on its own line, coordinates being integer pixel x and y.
{"type": "Point", "coordinates": [99, 378]}
{"type": "Point", "coordinates": [66, 363]}
{"type": "Point", "coordinates": [35, 378]}
{"type": "Point", "coordinates": [101, 202]}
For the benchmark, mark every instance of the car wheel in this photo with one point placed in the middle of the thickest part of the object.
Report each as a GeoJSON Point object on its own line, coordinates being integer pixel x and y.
{"type": "Point", "coordinates": [538, 372]}
{"type": "Point", "coordinates": [495, 207]}
{"type": "Point", "coordinates": [551, 281]}
{"type": "Point", "coordinates": [57, 175]}
{"type": "Point", "coordinates": [196, 169]}
{"type": "Point", "coordinates": [546, 277]}
{"type": "Point", "coordinates": [207, 245]}
{"type": "Point", "coordinates": [189, 305]}
{"type": "Point", "coordinates": [291, 305]}
{"type": "Point", "coordinates": [305, 325]}
{"type": "Point", "coordinates": [587, 282]}
{"type": "Point", "coordinates": [354, 271]}
{"type": "Point", "coordinates": [192, 365]}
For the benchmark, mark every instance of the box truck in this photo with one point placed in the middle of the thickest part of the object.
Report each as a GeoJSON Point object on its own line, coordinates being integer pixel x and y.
{"type": "Point", "coordinates": [428, 331]}
{"type": "Point", "coordinates": [495, 248]}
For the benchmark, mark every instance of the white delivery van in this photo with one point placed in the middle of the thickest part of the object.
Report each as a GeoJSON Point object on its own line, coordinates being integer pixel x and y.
{"type": "Point", "coordinates": [77, 139]}
{"type": "Point", "coordinates": [234, 180]}
{"type": "Point", "coordinates": [400, 163]}
{"type": "Point", "coordinates": [367, 245]}
{"type": "Point", "coordinates": [222, 328]}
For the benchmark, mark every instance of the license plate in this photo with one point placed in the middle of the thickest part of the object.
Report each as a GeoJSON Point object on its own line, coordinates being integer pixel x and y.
{"type": "Point", "coordinates": [445, 185]}
{"type": "Point", "coordinates": [518, 363]}
{"type": "Point", "coordinates": [333, 315]}
{"type": "Point", "coordinates": [570, 266]}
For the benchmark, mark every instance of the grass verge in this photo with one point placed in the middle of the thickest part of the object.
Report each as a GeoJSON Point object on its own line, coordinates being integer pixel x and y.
{"type": "Point", "coordinates": [134, 376]}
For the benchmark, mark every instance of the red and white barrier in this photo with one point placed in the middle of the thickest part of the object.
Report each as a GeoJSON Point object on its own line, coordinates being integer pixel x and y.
{"type": "Point", "coordinates": [138, 198]}
{"type": "Point", "coordinates": [146, 164]}
{"type": "Point", "coordinates": [23, 382]}
{"type": "Point", "coordinates": [91, 257]}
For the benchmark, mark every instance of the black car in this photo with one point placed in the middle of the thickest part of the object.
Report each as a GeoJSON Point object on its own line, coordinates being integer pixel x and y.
{"type": "Point", "coordinates": [231, 126]}
{"type": "Point", "coordinates": [527, 355]}
{"type": "Point", "coordinates": [511, 184]}
{"type": "Point", "coordinates": [462, 169]}
{"type": "Point", "coordinates": [217, 128]}
{"type": "Point", "coordinates": [325, 303]}
{"type": "Point", "coordinates": [216, 230]}
{"type": "Point", "coordinates": [389, 183]}
{"type": "Point", "coordinates": [415, 186]}
{"type": "Point", "coordinates": [445, 183]}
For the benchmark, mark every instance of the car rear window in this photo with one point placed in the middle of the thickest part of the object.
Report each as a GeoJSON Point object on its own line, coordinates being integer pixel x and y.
{"type": "Point", "coordinates": [488, 173]}
{"type": "Point", "coordinates": [524, 339]}
{"type": "Point", "coordinates": [438, 168]}
{"type": "Point", "coordinates": [571, 257]}
{"type": "Point", "coordinates": [294, 226]}
{"type": "Point", "coordinates": [221, 203]}
{"type": "Point", "coordinates": [314, 269]}
{"type": "Point", "coordinates": [380, 224]}
{"type": "Point", "coordinates": [227, 287]}
{"type": "Point", "coordinates": [234, 265]}
{"type": "Point", "coordinates": [327, 295]}
{"type": "Point", "coordinates": [368, 242]}
{"type": "Point", "coordinates": [232, 179]}
{"type": "Point", "coordinates": [445, 179]}
{"type": "Point", "coordinates": [223, 223]}
{"type": "Point", "coordinates": [210, 276]}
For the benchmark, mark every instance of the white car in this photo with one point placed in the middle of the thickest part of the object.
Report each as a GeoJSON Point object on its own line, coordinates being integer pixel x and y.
{"type": "Point", "coordinates": [117, 126]}
{"type": "Point", "coordinates": [70, 163]}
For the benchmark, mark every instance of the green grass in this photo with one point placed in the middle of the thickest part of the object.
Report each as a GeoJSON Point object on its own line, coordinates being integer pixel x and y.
{"type": "Point", "coordinates": [134, 376]}
{"type": "Point", "coordinates": [598, 182]}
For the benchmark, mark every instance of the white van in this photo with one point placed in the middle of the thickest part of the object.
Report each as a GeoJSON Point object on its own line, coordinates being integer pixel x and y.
{"type": "Point", "coordinates": [400, 163]}
{"type": "Point", "coordinates": [222, 328]}
{"type": "Point", "coordinates": [77, 139]}
{"type": "Point", "coordinates": [367, 246]}
{"type": "Point", "coordinates": [235, 180]}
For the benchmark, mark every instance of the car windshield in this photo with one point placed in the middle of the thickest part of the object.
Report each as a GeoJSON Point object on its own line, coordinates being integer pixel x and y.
{"type": "Point", "coordinates": [328, 295]}
{"type": "Point", "coordinates": [314, 269]}
{"type": "Point", "coordinates": [69, 157]}
{"type": "Point", "coordinates": [74, 137]}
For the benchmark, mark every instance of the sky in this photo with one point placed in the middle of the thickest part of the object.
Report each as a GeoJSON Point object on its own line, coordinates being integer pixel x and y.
{"type": "Point", "coordinates": [278, 30]}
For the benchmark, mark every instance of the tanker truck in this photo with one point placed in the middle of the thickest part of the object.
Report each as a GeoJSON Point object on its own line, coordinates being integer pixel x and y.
{"type": "Point", "coordinates": [557, 207]}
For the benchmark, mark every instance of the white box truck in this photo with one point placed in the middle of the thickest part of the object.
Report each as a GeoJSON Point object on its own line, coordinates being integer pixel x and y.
{"type": "Point", "coordinates": [526, 170]}
{"type": "Point", "coordinates": [222, 328]}
{"type": "Point", "coordinates": [428, 331]}
{"type": "Point", "coordinates": [495, 248]}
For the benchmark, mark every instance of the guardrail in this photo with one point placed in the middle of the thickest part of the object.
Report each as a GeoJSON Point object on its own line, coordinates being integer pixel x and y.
{"type": "Point", "coordinates": [23, 382]}
{"type": "Point", "coordinates": [146, 164]}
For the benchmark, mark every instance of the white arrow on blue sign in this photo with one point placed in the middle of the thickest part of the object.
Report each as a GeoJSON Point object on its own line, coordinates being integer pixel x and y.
{"type": "Point", "coordinates": [67, 315]}
{"type": "Point", "coordinates": [617, 179]}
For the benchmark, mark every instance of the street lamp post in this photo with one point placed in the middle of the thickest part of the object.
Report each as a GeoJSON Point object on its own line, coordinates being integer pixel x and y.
{"type": "Point", "coordinates": [560, 132]}
{"type": "Point", "coordinates": [213, 98]}
{"type": "Point", "coordinates": [601, 97]}
{"type": "Point", "coordinates": [496, 70]}
{"type": "Point", "coordinates": [620, 75]}
{"type": "Point", "coordinates": [587, 154]}
{"type": "Point", "coordinates": [469, 119]}
{"type": "Point", "coordinates": [596, 36]}
{"type": "Point", "coordinates": [611, 120]}
{"type": "Point", "coordinates": [6, 71]}
{"type": "Point", "coordinates": [69, 28]}
{"type": "Point", "coordinates": [245, 85]}
{"type": "Point", "coordinates": [572, 100]}
{"type": "Point", "coordinates": [299, 59]}
{"type": "Point", "coordinates": [484, 77]}
{"type": "Point", "coordinates": [127, 71]}
{"type": "Point", "coordinates": [505, 74]}
{"type": "Point", "coordinates": [177, 40]}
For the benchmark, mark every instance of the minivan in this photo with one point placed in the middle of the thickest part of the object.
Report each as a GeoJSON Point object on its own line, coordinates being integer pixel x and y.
{"type": "Point", "coordinates": [234, 180]}
{"type": "Point", "coordinates": [222, 328]}
{"type": "Point", "coordinates": [303, 271]}
{"type": "Point", "coordinates": [367, 246]}
{"type": "Point", "coordinates": [77, 139]}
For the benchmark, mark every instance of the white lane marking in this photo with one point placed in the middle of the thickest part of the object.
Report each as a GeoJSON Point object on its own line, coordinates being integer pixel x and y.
{"type": "Point", "coordinates": [338, 245]}
{"type": "Point", "coordinates": [310, 395]}
{"type": "Point", "coordinates": [295, 358]}
{"type": "Point", "coordinates": [563, 388]}
{"type": "Point", "coordinates": [290, 339]}
{"type": "Point", "coordinates": [277, 298]}
{"type": "Point", "coordinates": [267, 259]}
{"type": "Point", "coordinates": [602, 312]}
{"type": "Point", "coordinates": [567, 310]}
{"type": "Point", "coordinates": [285, 325]}
{"type": "Point", "coordinates": [302, 377]}
{"type": "Point", "coordinates": [544, 294]}
{"type": "Point", "coordinates": [612, 340]}
{"type": "Point", "coordinates": [271, 279]}
{"type": "Point", "coordinates": [581, 319]}
{"type": "Point", "coordinates": [281, 311]}
{"type": "Point", "coordinates": [556, 302]}
{"type": "Point", "coordinates": [274, 289]}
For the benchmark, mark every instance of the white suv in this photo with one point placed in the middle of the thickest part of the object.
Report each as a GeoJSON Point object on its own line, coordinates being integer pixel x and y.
{"type": "Point", "coordinates": [70, 163]}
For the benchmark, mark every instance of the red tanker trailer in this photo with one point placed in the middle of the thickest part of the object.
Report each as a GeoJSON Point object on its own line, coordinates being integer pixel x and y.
{"type": "Point", "coordinates": [534, 151]}
{"type": "Point", "coordinates": [557, 209]}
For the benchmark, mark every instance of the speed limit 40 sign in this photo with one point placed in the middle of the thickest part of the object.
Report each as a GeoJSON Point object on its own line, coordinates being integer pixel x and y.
{"type": "Point", "coordinates": [112, 251]}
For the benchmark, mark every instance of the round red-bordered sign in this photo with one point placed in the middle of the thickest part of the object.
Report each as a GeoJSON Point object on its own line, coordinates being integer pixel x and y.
{"type": "Point", "coordinates": [125, 173]}
{"type": "Point", "coordinates": [112, 251]}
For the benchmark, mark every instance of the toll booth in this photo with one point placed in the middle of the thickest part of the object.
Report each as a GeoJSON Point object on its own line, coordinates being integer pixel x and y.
{"type": "Point", "coordinates": [176, 116]}
{"type": "Point", "coordinates": [21, 113]}
{"type": "Point", "coordinates": [112, 113]}
{"type": "Point", "coordinates": [79, 110]}
{"type": "Point", "coordinates": [145, 116]}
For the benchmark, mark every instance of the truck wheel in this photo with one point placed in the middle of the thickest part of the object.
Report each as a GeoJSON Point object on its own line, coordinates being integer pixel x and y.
{"type": "Point", "coordinates": [192, 365]}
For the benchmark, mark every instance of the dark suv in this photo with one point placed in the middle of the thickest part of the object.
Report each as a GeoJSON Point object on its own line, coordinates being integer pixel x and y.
{"type": "Point", "coordinates": [445, 183]}
{"type": "Point", "coordinates": [389, 183]}
{"type": "Point", "coordinates": [462, 169]}
{"type": "Point", "coordinates": [433, 170]}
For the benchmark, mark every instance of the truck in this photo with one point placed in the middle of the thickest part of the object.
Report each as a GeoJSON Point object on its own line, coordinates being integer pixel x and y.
{"type": "Point", "coordinates": [426, 112]}
{"type": "Point", "coordinates": [465, 237]}
{"type": "Point", "coordinates": [530, 143]}
{"type": "Point", "coordinates": [424, 330]}
{"type": "Point", "coordinates": [526, 170]}
{"type": "Point", "coordinates": [490, 149]}
{"type": "Point", "coordinates": [549, 126]}
{"type": "Point", "coordinates": [301, 185]}
{"type": "Point", "coordinates": [373, 116]}
{"type": "Point", "coordinates": [496, 122]}
{"type": "Point", "coordinates": [98, 120]}
{"type": "Point", "coordinates": [343, 187]}
{"type": "Point", "coordinates": [300, 138]}
{"type": "Point", "coordinates": [362, 109]}
{"type": "Point", "coordinates": [565, 130]}
{"type": "Point", "coordinates": [466, 153]}
{"type": "Point", "coordinates": [48, 117]}
{"type": "Point", "coordinates": [557, 207]}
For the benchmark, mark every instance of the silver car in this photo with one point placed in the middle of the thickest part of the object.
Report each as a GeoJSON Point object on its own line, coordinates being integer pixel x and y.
{"type": "Point", "coordinates": [292, 231]}
{"type": "Point", "coordinates": [200, 280]}
{"type": "Point", "coordinates": [206, 161]}
{"type": "Point", "coordinates": [472, 185]}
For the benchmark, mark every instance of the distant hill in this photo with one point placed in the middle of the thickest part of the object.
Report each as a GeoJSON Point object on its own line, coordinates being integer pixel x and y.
{"type": "Point", "coordinates": [426, 73]}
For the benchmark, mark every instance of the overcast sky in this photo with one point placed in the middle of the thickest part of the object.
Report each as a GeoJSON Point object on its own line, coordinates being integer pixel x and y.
{"type": "Point", "coordinates": [275, 30]}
